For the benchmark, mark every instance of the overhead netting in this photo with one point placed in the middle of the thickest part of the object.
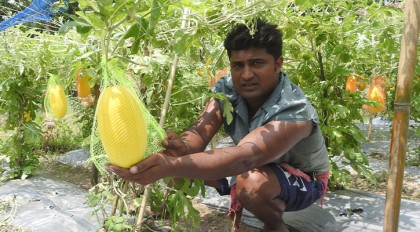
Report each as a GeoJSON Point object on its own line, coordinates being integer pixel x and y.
{"type": "Point", "coordinates": [38, 10]}
{"type": "Point", "coordinates": [124, 132]}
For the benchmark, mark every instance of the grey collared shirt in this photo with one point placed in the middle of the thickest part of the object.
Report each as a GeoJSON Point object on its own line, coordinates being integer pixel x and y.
{"type": "Point", "coordinates": [287, 102]}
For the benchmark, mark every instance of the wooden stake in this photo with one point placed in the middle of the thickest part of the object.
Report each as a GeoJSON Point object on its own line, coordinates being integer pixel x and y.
{"type": "Point", "coordinates": [402, 105]}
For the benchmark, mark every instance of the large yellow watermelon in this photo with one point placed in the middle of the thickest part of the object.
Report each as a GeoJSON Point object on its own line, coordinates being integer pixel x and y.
{"type": "Point", "coordinates": [121, 125]}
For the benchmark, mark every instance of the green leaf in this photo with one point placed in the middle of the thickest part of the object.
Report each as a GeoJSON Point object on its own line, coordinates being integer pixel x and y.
{"type": "Point", "coordinates": [32, 132]}
{"type": "Point", "coordinates": [337, 134]}
{"type": "Point", "coordinates": [105, 2]}
{"type": "Point", "coordinates": [303, 4]}
{"type": "Point", "coordinates": [70, 24]}
{"type": "Point", "coordinates": [320, 39]}
{"type": "Point", "coordinates": [83, 4]}
{"type": "Point", "coordinates": [227, 111]}
{"type": "Point", "coordinates": [342, 111]}
{"type": "Point", "coordinates": [94, 20]}
{"type": "Point", "coordinates": [133, 31]}
{"type": "Point", "coordinates": [155, 13]}
{"type": "Point", "coordinates": [135, 46]}
{"type": "Point", "coordinates": [366, 172]}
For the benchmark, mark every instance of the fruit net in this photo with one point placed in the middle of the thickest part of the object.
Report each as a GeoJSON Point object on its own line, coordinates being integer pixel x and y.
{"type": "Point", "coordinates": [113, 75]}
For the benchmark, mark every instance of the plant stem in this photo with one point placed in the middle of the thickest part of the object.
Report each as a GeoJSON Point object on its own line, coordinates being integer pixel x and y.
{"type": "Point", "coordinates": [325, 91]}
{"type": "Point", "coordinates": [162, 119]}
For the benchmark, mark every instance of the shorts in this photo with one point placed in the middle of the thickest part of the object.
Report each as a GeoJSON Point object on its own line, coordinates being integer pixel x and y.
{"type": "Point", "coordinates": [297, 193]}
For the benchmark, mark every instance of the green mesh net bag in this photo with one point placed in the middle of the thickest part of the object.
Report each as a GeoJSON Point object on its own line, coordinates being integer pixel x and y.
{"type": "Point", "coordinates": [124, 132]}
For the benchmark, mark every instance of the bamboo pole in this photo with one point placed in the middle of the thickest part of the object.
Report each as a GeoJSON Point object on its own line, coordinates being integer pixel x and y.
{"type": "Point", "coordinates": [402, 104]}
{"type": "Point", "coordinates": [164, 110]}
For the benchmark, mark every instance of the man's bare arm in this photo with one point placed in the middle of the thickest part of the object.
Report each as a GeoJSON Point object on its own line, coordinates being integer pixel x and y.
{"type": "Point", "coordinates": [262, 146]}
{"type": "Point", "coordinates": [206, 126]}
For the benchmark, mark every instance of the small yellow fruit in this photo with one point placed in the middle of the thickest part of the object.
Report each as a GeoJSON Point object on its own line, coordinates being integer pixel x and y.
{"type": "Point", "coordinates": [82, 83]}
{"type": "Point", "coordinates": [376, 92]}
{"type": "Point", "coordinates": [122, 127]}
{"type": "Point", "coordinates": [351, 83]}
{"type": "Point", "coordinates": [57, 100]}
{"type": "Point", "coordinates": [376, 95]}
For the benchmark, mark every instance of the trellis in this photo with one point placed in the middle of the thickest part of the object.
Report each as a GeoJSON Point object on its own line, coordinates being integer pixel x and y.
{"type": "Point", "coordinates": [402, 105]}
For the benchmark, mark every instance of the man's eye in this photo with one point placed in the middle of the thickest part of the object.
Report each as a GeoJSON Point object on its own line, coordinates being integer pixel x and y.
{"type": "Point", "coordinates": [258, 63]}
{"type": "Point", "coordinates": [236, 65]}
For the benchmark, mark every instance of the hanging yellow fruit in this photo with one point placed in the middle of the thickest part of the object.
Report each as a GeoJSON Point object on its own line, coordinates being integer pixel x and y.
{"type": "Point", "coordinates": [121, 125]}
{"type": "Point", "coordinates": [351, 83]}
{"type": "Point", "coordinates": [376, 92]}
{"type": "Point", "coordinates": [57, 100]}
{"type": "Point", "coordinates": [82, 84]}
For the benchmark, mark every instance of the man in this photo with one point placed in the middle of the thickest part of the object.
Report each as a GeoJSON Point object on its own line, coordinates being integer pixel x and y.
{"type": "Point", "coordinates": [279, 163]}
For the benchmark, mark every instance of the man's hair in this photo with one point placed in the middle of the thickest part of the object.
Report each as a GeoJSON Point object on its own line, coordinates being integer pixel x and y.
{"type": "Point", "coordinates": [266, 36]}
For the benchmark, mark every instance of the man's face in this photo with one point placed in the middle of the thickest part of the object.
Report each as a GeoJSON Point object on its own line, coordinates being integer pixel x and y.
{"type": "Point", "coordinates": [254, 73]}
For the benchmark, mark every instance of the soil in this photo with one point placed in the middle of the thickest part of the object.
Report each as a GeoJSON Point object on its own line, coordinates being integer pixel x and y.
{"type": "Point", "coordinates": [213, 220]}
{"type": "Point", "coordinates": [410, 188]}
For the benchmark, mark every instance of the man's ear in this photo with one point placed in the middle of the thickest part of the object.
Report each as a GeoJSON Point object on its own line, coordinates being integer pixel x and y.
{"type": "Point", "coordinates": [279, 64]}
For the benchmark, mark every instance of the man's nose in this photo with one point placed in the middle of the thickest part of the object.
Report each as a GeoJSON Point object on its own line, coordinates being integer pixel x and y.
{"type": "Point", "coordinates": [247, 73]}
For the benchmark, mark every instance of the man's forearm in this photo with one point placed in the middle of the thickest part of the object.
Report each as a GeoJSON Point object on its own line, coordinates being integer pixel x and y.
{"type": "Point", "coordinates": [194, 141]}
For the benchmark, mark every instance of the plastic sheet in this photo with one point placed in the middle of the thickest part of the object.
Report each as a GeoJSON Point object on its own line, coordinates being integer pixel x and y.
{"type": "Point", "coordinates": [44, 204]}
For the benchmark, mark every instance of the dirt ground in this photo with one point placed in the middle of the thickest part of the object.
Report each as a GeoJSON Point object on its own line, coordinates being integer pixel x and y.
{"type": "Point", "coordinates": [410, 188]}
{"type": "Point", "coordinates": [215, 221]}
{"type": "Point", "coordinates": [211, 220]}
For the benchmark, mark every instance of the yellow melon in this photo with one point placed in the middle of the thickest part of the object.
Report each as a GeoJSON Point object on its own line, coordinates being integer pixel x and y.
{"type": "Point", "coordinates": [121, 125]}
{"type": "Point", "coordinates": [82, 83]}
{"type": "Point", "coordinates": [376, 95]}
{"type": "Point", "coordinates": [351, 83]}
{"type": "Point", "coordinates": [57, 100]}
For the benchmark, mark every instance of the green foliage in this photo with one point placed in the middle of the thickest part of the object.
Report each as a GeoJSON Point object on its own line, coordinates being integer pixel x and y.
{"type": "Point", "coordinates": [99, 198]}
{"type": "Point", "coordinates": [28, 59]}
{"type": "Point", "coordinates": [326, 41]}
{"type": "Point", "coordinates": [183, 209]}
{"type": "Point", "coordinates": [117, 224]}
{"type": "Point", "coordinates": [20, 100]}
{"type": "Point", "coordinates": [413, 156]}
{"type": "Point", "coordinates": [179, 205]}
{"type": "Point", "coordinates": [126, 31]}
{"type": "Point", "coordinates": [144, 37]}
{"type": "Point", "coordinates": [64, 135]}
{"type": "Point", "coordinates": [415, 100]}
{"type": "Point", "coordinates": [84, 119]}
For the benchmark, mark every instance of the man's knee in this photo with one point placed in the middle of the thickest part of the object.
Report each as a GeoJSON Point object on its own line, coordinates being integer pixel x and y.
{"type": "Point", "coordinates": [246, 192]}
{"type": "Point", "coordinates": [260, 181]}
{"type": "Point", "coordinates": [253, 186]}
{"type": "Point", "coordinates": [249, 182]}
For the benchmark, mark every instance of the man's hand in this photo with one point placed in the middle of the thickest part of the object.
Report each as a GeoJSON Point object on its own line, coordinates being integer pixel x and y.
{"type": "Point", "coordinates": [149, 170]}
{"type": "Point", "coordinates": [175, 145]}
